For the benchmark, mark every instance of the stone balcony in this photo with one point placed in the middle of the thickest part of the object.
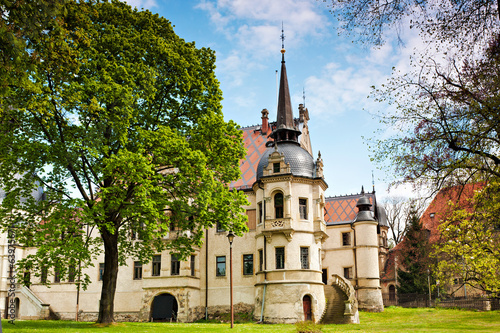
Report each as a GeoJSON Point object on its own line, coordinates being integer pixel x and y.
{"type": "Point", "coordinates": [278, 226]}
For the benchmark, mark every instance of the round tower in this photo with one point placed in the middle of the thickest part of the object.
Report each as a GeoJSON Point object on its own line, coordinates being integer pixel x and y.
{"type": "Point", "coordinates": [291, 226]}
{"type": "Point", "coordinates": [367, 258]}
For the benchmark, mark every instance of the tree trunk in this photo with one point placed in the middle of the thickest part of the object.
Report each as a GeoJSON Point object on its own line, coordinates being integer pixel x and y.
{"type": "Point", "coordinates": [106, 304]}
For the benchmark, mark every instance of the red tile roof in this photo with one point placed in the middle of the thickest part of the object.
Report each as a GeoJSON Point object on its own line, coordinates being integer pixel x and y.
{"type": "Point", "coordinates": [255, 143]}
{"type": "Point", "coordinates": [342, 209]}
{"type": "Point", "coordinates": [440, 207]}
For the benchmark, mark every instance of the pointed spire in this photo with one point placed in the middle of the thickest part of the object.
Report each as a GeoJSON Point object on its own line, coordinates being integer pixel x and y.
{"type": "Point", "coordinates": [285, 125]}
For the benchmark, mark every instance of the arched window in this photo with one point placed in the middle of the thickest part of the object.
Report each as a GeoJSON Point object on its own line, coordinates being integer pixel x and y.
{"type": "Point", "coordinates": [278, 205]}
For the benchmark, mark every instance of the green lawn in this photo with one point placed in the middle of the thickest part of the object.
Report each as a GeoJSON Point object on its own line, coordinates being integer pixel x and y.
{"type": "Point", "coordinates": [391, 320]}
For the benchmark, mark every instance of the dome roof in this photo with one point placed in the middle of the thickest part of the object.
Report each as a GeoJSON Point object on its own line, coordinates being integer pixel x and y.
{"type": "Point", "coordinates": [301, 162]}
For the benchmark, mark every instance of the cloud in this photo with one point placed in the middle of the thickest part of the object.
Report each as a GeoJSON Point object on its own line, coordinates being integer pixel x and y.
{"type": "Point", "coordinates": [341, 88]}
{"type": "Point", "coordinates": [255, 24]}
{"type": "Point", "coordinates": [142, 4]}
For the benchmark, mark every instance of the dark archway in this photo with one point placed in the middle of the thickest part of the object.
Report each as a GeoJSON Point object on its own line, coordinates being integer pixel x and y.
{"type": "Point", "coordinates": [306, 304]}
{"type": "Point", "coordinates": [17, 306]}
{"type": "Point", "coordinates": [164, 308]}
{"type": "Point", "coordinates": [392, 293]}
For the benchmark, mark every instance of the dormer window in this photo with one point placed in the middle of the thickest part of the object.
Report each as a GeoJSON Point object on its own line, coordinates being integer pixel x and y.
{"type": "Point", "coordinates": [276, 168]}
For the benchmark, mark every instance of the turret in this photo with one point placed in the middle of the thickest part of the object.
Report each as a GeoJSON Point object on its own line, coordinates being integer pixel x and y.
{"type": "Point", "coordinates": [367, 257]}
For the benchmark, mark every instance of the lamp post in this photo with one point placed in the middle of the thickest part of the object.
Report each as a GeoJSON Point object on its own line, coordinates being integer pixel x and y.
{"type": "Point", "coordinates": [230, 237]}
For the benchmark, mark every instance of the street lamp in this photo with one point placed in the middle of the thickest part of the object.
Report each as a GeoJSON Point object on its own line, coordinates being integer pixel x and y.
{"type": "Point", "coordinates": [230, 237]}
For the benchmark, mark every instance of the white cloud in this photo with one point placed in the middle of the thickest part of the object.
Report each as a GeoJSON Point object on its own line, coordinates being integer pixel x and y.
{"type": "Point", "coordinates": [255, 24]}
{"type": "Point", "coordinates": [140, 4]}
{"type": "Point", "coordinates": [339, 89]}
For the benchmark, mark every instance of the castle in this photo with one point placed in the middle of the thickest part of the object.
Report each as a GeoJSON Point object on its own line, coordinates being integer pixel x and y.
{"type": "Point", "coordinates": [305, 257]}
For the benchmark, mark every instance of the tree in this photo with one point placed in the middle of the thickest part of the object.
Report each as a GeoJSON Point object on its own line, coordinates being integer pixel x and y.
{"type": "Point", "coordinates": [463, 22]}
{"type": "Point", "coordinates": [448, 121]}
{"type": "Point", "coordinates": [415, 250]}
{"type": "Point", "coordinates": [469, 247]}
{"type": "Point", "coordinates": [22, 23]}
{"type": "Point", "coordinates": [399, 211]}
{"type": "Point", "coordinates": [120, 110]}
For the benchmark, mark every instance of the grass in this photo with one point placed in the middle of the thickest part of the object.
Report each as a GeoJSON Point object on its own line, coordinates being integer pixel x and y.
{"type": "Point", "coordinates": [393, 319]}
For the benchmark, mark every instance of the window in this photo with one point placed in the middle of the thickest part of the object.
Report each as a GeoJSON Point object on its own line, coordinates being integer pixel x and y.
{"type": "Point", "coordinates": [261, 260]}
{"type": "Point", "coordinates": [276, 168]}
{"type": "Point", "coordinates": [303, 209]}
{"type": "Point", "coordinates": [43, 275]}
{"type": "Point", "coordinates": [71, 273]}
{"type": "Point", "coordinates": [156, 265]}
{"type": "Point", "coordinates": [175, 265]}
{"type": "Point", "coordinates": [221, 266]}
{"type": "Point", "coordinates": [304, 257]}
{"type": "Point", "coordinates": [220, 228]}
{"type": "Point", "coordinates": [193, 265]}
{"type": "Point", "coordinates": [248, 264]}
{"type": "Point", "coordinates": [346, 238]}
{"type": "Point", "coordinates": [260, 212]}
{"type": "Point", "coordinates": [101, 271]}
{"type": "Point", "coordinates": [348, 272]}
{"type": "Point", "coordinates": [278, 205]}
{"type": "Point", "coordinates": [57, 276]}
{"type": "Point", "coordinates": [137, 270]}
{"type": "Point", "coordinates": [280, 258]}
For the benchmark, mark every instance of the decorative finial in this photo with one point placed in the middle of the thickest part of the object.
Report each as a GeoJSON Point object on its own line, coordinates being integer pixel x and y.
{"type": "Point", "coordinates": [319, 154]}
{"type": "Point", "coordinates": [282, 37]}
{"type": "Point", "coordinates": [373, 182]}
{"type": "Point", "coordinates": [362, 190]}
{"type": "Point", "coordinates": [304, 96]}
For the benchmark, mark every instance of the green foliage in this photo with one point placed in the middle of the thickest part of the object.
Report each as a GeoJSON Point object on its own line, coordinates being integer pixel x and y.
{"type": "Point", "coordinates": [120, 110]}
{"type": "Point", "coordinates": [469, 249]}
{"type": "Point", "coordinates": [308, 327]}
{"type": "Point", "coordinates": [415, 250]}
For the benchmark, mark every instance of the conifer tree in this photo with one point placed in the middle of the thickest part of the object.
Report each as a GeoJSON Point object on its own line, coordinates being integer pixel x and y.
{"type": "Point", "coordinates": [413, 275]}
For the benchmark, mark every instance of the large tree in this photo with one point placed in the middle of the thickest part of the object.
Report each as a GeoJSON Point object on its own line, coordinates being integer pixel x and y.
{"type": "Point", "coordinates": [469, 246]}
{"type": "Point", "coordinates": [459, 21]}
{"type": "Point", "coordinates": [120, 121]}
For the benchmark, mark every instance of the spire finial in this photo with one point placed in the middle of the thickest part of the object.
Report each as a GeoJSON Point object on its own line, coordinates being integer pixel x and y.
{"type": "Point", "coordinates": [282, 36]}
{"type": "Point", "coordinates": [362, 190]}
{"type": "Point", "coordinates": [304, 96]}
{"type": "Point", "coordinates": [373, 182]}
{"type": "Point", "coordinates": [282, 43]}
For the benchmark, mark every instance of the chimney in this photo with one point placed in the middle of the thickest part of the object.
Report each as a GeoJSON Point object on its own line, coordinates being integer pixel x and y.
{"type": "Point", "coordinates": [265, 121]}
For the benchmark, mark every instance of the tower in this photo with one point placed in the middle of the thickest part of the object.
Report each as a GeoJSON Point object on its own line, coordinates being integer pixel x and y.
{"type": "Point", "coordinates": [290, 230]}
{"type": "Point", "coordinates": [367, 257]}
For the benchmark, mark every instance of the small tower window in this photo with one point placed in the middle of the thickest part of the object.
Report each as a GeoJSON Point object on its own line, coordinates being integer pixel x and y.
{"type": "Point", "coordinates": [346, 238]}
{"type": "Point", "coordinates": [278, 205]}
{"type": "Point", "coordinates": [304, 257]}
{"type": "Point", "coordinates": [276, 168]}
{"type": "Point", "coordinates": [303, 209]}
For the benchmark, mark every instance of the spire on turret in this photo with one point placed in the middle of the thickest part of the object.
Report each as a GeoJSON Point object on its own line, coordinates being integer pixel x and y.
{"type": "Point", "coordinates": [285, 126]}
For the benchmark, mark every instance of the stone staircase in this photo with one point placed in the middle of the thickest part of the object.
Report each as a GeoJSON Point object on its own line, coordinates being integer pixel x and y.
{"type": "Point", "coordinates": [341, 304]}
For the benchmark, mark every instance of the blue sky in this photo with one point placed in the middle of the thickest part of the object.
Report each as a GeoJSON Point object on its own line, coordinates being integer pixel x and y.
{"type": "Point", "coordinates": [335, 73]}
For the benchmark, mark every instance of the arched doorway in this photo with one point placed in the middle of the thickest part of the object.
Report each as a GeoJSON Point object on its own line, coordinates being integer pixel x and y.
{"type": "Point", "coordinates": [306, 304]}
{"type": "Point", "coordinates": [392, 293]}
{"type": "Point", "coordinates": [17, 306]}
{"type": "Point", "coordinates": [164, 308]}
